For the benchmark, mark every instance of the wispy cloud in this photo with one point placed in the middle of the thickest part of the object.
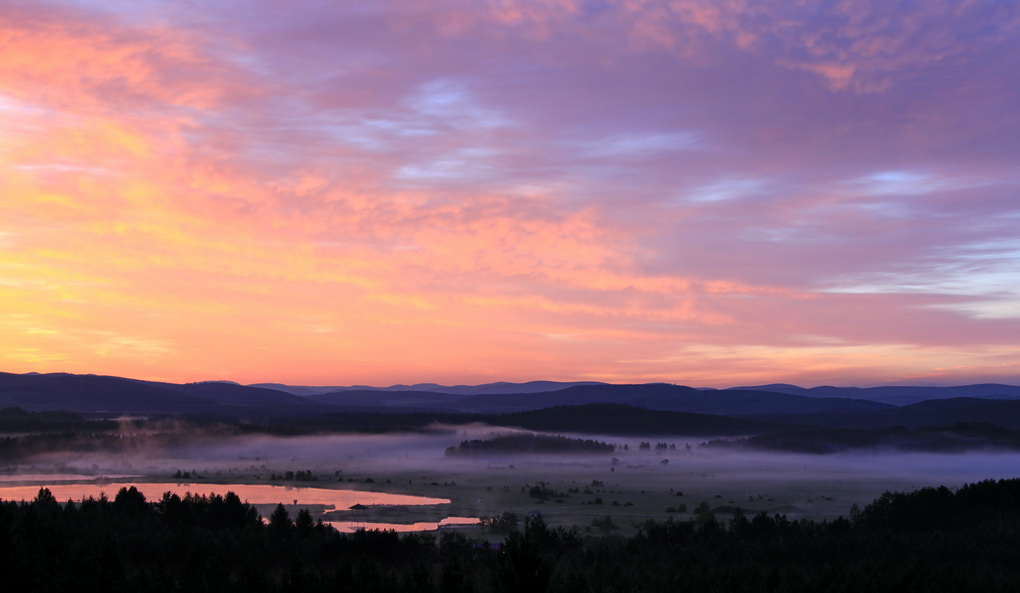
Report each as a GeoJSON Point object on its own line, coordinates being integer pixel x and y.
{"type": "Point", "coordinates": [688, 190]}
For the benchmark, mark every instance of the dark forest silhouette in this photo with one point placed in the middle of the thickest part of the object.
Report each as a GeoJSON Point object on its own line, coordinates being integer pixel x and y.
{"type": "Point", "coordinates": [933, 539]}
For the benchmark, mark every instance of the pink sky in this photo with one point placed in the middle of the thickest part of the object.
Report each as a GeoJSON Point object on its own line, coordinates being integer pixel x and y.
{"type": "Point", "coordinates": [708, 192]}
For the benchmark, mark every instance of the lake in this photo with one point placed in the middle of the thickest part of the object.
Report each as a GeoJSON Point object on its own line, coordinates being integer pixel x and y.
{"type": "Point", "coordinates": [255, 494]}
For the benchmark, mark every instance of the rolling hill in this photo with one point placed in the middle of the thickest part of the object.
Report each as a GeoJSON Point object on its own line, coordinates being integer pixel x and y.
{"type": "Point", "coordinates": [899, 395]}
{"type": "Point", "coordinates": [103, 395]}
{"type": "Point", "coordinates": [650, 408]}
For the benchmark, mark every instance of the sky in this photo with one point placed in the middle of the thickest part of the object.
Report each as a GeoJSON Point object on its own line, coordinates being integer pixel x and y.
{"type": "Point", "coordinates": [703, 192]}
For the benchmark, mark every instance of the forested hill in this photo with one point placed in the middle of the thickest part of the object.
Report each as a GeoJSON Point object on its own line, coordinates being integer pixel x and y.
{"type": "Point", "coordinates": [1005, 413]}
{"type": "Point", "coordinates": [900, 395]}
{"type": "Point", "coordinates": [956, 438]}
{"type": "Point", "coordinates": [747, 410]}
{"type": "Point", "coordinates": [932, 539]}
{"type": "Point", "coordinates": [97, 394]}
{"type": "Point", "coordinates": [94, 394]}
{"type": "Point", "coordinates": [653, 396]}
{"type": "Point", "coordinates": [501, 387]}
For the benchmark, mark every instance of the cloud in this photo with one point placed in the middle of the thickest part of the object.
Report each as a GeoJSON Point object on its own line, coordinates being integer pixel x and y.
{"type": "Point", "coordinates": [443, 191]}
{"type": "Point", "coordinates": [72, 60]}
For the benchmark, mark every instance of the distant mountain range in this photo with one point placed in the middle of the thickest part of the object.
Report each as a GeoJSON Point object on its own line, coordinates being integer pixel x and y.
{"type": "Point", "coordinates": [502, 388]}
{"type": "Point", "coordinates": [653, 396]}
{"type": "Point", "coordinates": [97, 394]}
{"type": "Point", "coordinates": [766, 405]}
{"type": "Point", "coordinates": [896, 395]}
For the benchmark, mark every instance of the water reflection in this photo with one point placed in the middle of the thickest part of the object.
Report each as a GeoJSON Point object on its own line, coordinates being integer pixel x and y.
{"type": "Point", "coordinates": [250, 493]}
{"type": "Point", "coordinates": [353, 526]}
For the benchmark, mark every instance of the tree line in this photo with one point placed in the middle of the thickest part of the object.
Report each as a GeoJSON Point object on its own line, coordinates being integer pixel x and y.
{"type": "Point", "coordinates": [933, 539]}
{"type": "Point", "coordinates": [530, 443]}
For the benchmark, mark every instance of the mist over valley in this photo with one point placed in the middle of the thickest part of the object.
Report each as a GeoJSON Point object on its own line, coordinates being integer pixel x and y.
{"type": "Point", "coordinates": [746, 450]}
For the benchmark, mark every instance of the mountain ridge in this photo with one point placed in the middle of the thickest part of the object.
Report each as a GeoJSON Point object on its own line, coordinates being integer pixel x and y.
{"type": "Point", "coordinates": [898, 395]}
{"type": "Point", "coordinates": [822, 406]}
{"type": "Point", "coordinates": [498, 387]}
